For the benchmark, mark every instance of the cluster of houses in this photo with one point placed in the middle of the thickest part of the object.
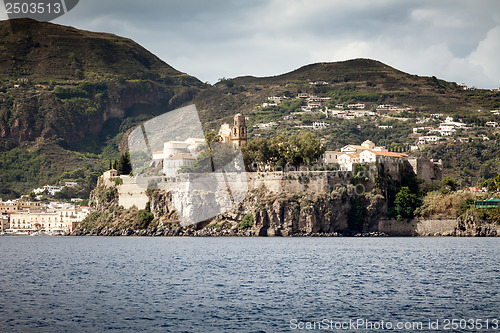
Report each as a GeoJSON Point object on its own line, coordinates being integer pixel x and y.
{"type": "Point", "coordinates": [368, 153]}
{"type": "Point", "coordinates": [445, 129]}
{"type": "Point", "coordinates": [345, 111]}
{"type": "Point", "coordinates": [52, 190]}
{"type": "Point", "coordinates": [19, 217]}
{"type": "Point", "coordinates": [348, 114]}
{"type": "Point", "coordinates": [312, 102]}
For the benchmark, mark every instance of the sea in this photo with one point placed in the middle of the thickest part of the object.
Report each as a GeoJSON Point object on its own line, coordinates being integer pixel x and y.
{"type": "Point", "coordinates": [184, 284]}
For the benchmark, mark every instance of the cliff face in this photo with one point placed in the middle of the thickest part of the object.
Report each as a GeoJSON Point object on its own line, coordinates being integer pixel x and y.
{"type": "Point", "coordinates": [63, 82]}
{"type": "Point", "coordinates": [273, 214]}
{"type": "Point", "coordinates": [103, 198]}
{"type": "Point", "coordinates": [470, 225]}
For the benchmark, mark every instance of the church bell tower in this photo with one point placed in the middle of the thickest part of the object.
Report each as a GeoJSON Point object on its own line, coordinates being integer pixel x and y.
{"type": "Point", "coordinates": [239, 130]}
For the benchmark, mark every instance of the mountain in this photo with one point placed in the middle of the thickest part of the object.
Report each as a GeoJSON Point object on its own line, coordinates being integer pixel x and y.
{"type": "Point", "coordinates": [68, 95]}
{"type": "Point", "coordinates": [357, 80]}
{"type": "Point", "coordinates": [46, 51]}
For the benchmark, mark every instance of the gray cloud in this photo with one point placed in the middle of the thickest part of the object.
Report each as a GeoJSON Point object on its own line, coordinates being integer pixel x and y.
{"type": "Point", "coordinates": [456, 40]}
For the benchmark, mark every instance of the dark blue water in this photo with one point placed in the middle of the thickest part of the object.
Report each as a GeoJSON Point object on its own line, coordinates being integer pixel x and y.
{"type": "Point", "coordinates": [90, 284]}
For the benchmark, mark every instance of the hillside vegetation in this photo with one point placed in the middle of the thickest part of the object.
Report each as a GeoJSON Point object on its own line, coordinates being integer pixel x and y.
{"type": "Point", "coordinates": [67, 96]}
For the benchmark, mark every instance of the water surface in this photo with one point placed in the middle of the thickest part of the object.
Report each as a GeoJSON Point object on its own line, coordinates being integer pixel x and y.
{"type": "Point", "coordinates": [89, 284]}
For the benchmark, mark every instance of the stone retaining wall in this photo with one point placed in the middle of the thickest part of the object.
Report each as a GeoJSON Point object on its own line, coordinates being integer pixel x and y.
{"type": "Point", "coordinates": [417, 228]}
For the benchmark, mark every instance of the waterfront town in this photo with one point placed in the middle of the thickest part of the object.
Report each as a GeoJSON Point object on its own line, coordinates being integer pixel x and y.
{"type": "Point", "coordinates": [31, 217]}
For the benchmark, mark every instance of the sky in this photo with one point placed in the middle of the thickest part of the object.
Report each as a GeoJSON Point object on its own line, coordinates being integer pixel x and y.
{"type": "Point", "coordinates": [454, 40]}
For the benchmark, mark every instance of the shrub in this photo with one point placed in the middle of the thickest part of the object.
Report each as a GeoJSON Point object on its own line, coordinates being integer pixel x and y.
{"type": "Point", "coordinates": [405, 203]}
{"type": "Point", "coordinates": [213, 225]}
{"type": "Point", "coordinates": [247, 222]}
{"type": "Point", "coordinates": [144, 218]}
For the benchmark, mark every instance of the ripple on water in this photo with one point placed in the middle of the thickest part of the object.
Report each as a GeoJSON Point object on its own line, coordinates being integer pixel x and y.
{"type": "Point", "coordinates": [236, 284]}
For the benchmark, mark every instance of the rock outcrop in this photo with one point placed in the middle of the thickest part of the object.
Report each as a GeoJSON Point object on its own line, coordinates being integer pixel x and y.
{"type": "Point", "coordinates": [470, 225]}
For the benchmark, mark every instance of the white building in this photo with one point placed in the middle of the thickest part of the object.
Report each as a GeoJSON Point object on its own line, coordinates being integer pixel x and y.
{"type": "Point", "coordinates": [225, 133]}
{"type": "Point", "coordinates": [275, 99]}
{"type": "Point", "coordinates": [447, 130]}
{"type": "Point", "coordinates": [428, 139]}
{"type": "Point", "coordinates": [173, 163]}
{"type": "Point", "coordinates": [266, 125]}
{"type": "Point", "coordinates": [356, 106]}
{"type": "Point", "coordinates": [172, 148]}
{"type": "Point", "coordinates": [372, 156]}
{"type": "Point", "coordinates": [347, 160]}
{"type": "Point", "coordinates": [319, 124]}
{"type": "Point", "coordinates": [62, 219]}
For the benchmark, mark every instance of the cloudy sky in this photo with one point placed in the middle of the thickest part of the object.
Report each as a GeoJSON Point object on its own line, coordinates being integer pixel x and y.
{"type": "Point", "coordinates": [456, 40]}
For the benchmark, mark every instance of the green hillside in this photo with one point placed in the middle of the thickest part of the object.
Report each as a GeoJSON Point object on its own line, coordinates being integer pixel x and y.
{"type": "Point", "coordinates": [358, 80]}
{"type": "Point", "coordinates": [67, 96]}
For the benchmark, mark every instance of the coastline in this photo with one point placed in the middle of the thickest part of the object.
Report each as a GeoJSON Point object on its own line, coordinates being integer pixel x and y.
{"type": "Point", "coordinates": [387, 228]}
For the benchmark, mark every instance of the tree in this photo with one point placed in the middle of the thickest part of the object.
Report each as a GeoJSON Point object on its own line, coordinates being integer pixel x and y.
{"type": "Point", "coordinates": [405, 203]}
{"type": "Point", "coordinates": [203, 163]}
{"type": "Point", "coordinates": [304, 148]}
{"type": "Point", "coordinates": [212, 137]}
{"type": "Point", "coordinates": [492, 184]}
{"type": "Point", "coordinates": [449, 183]}
{"type": "Point", "coordinates": [124, 165]}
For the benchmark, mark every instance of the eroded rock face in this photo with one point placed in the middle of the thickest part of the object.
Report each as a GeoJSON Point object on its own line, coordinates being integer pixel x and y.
{"type": "Point", "coordinates": [291, 214]}
{"type": "Point", "coordinates": [470, 225]}
{"type": "Point", "coordinates": [102, 198]}
{"type": "Point", "coordinates": [160, 203]}
{"type": "Point", "coordinates": [274, 214]}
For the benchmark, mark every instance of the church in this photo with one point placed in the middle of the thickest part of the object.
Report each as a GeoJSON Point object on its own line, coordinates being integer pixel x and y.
{"type": "Point", "coordinates": [237, 133]}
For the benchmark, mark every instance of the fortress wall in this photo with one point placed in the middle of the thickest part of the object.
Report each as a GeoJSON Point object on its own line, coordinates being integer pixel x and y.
{"type": "Point", "coordinates": [297, 181]}
{"type": "Point", "coordinates": [130, 194]}
{"type": "Point", "coordinates": [417, 228]}
{"type": "Point", "coordinates": [314, 182]}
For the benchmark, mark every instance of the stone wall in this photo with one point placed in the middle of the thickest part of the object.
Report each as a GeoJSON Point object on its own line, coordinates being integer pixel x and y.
{"type": "Point", "coordinates": [131, 194]}
{"type": "Point", "coordinates": [417, 228]}
{"type": "Point", "coordinates": [298, 181]}
{"type": "Point", "coordinates": [425, 169]}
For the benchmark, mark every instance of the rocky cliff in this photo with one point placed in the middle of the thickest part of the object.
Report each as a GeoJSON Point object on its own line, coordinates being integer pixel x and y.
{"type": "Point", "coordinates": [271, 214]}
{"type": "Point", "coordinates": [470, 225]}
